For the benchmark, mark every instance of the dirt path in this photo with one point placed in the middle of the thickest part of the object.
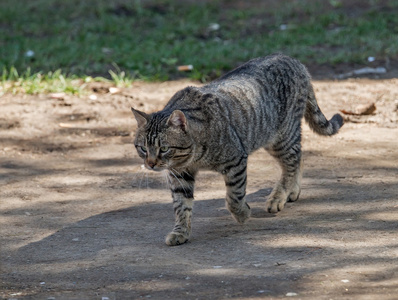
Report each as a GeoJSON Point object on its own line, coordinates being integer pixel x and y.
{"type": "Point", "coordinates": [80, 218]}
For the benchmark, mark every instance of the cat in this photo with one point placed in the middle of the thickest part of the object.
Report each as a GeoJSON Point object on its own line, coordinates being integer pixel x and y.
{"type": "Point", "coordinates": [215, 127]}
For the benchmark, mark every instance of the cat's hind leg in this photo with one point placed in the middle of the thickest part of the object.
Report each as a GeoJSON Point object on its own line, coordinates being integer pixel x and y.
{"type": "Point", "coordinates": [288, 154]}
{"type": "Point", "coordinates": [235, 177]}
{"type": "Point", "coordinates": [182, 186]}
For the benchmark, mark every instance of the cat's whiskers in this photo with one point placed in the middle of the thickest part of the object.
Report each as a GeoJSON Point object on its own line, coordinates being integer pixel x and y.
{"type": "Point", "coordinates": [147, 181]}
{"type": "Point", "coordinates": [166, 178]}
{"type": "Point", "coordinates": [172, 170]}
{"type": "Point", "coordinates": [137, 172]}
{"type": "Point", "coordinates": [144, 173]}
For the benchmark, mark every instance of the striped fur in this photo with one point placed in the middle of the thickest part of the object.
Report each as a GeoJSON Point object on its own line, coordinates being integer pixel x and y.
{"type": "Point", "coordinates": [258, 105]}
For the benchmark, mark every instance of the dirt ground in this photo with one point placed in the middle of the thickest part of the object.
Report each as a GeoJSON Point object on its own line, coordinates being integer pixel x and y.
{"type": "Point", "coordinates": [81, 219]}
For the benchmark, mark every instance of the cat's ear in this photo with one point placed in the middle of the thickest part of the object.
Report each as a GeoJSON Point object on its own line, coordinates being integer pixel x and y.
{"type": "Point", "coordinates": [177, 119]}
{"type": "Point", "coordinates": [141, 117]}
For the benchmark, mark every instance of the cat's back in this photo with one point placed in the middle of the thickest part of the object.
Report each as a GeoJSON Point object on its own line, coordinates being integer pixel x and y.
{"type": "Point", "coordinates": [271, 66]}
{"type": "Point", "coordinates": [262, 72]}
{"type": "Point", "coordinates": [256, 98]}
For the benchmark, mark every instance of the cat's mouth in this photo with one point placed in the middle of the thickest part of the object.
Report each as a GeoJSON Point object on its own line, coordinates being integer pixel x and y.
{"type": "Point", "coordinates": [161, 166]}
{"type": "Point", "coordinates": [154, 167]}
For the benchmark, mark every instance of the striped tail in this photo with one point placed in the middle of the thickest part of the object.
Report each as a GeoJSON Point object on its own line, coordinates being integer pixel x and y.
{"type": "Point", "coordinates": [317, 120]}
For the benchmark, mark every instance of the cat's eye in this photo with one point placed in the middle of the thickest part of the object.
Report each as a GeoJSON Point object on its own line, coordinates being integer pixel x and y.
{"type": "Point", "coordinates": [164, 149]}
{"type": "Point", "coordinates": [143, 149]}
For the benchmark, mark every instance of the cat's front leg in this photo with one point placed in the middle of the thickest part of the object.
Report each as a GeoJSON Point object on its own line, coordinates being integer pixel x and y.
{"type": "Point", "coordinates": [235, 177]}
{"type": "Point", "coordinates": [182, 186]}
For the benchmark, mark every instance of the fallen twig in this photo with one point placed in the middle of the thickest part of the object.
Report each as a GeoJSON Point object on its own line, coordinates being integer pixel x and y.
{"type": "Point", "coordinates": [363, 71]}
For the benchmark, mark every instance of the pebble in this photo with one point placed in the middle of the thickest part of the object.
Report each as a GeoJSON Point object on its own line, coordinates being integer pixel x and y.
{"type": "Point", "coordinates": [256, 265]}
{"type": "Point", "coordinates": [214, 27]}
{"type": "Point", "coordinates": [29, 53]}
{"type": "Point", "coordinates": [58, 96]}
{"type": "Point", "coordinates": [114, 90]}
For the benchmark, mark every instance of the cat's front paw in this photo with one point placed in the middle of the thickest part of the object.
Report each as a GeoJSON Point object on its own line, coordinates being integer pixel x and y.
{"type": "Point", "coordinates": [274, 205]}
{"type": "Point", "coordinates": [294, 194]}
{"type": "Point", "coordinates": [276, 202]}
{"type": "Point", "coordinates": [242, 214]}
{"type": "Point", "coordinates": [176, 238]}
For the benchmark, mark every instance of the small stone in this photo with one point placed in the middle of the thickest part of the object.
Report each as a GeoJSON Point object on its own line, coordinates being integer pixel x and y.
{"type": "Point", "coordinates": [256, 265]}
{"type": "Point", "coordinates": [291, 294]}
{"type": "Point", "coordinates": [214, 27]}
{"type": "Point", "coordinates": [114, 90]}
{"type": "Point", "coordinates": [29, 53]}
{"type": "Point", "coordinates": [107, 51]}
{"type": "Point", "coordinates": [58, 96]}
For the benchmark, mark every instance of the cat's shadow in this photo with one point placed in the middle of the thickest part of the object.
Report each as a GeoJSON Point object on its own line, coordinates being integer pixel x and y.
{"type": "Point", "coordinates": [258, 207]}
{"type": "Point", "coordinates": [258, 213]}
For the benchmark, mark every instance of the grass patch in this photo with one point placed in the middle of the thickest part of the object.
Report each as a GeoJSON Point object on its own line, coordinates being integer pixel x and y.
{"type": "Point", "coordinates": [12, 81]}
{"type": "Point", "coordinates": [124, 40]}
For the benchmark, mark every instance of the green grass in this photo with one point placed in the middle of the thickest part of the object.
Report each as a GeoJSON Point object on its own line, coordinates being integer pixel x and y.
{"type": "Point", "coordinates": [124, 40]}
{"type": "Point", "coordinates": [14, 82]}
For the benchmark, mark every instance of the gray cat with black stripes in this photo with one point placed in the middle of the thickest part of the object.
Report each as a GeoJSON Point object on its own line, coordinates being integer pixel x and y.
{"type": "Point", "coordinates": [217, 126]}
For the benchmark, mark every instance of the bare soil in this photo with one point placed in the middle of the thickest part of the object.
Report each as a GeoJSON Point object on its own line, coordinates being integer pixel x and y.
{"type": "Point", "coordinates": [81, 219]}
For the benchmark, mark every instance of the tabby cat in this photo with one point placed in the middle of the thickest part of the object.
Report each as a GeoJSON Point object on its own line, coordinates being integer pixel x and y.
{"type": "Point", "coordinates": [217, 126]}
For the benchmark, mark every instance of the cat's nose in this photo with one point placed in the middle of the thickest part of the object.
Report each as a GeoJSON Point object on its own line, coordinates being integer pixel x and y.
{"type": "Point", "coordinates": [151, 164]}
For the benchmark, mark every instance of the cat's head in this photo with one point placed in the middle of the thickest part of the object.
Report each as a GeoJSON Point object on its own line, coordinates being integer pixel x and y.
{"type": "Point", "coordinates": [163, 140]}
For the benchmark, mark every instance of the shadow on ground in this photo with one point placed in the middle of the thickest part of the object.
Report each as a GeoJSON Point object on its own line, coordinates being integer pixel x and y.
{"type": "Point", "coordinates": [121, 252]}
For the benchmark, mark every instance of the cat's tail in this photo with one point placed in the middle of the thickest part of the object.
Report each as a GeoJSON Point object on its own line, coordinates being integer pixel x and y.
{"type": "Point", "coordinates": [317, 120]}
